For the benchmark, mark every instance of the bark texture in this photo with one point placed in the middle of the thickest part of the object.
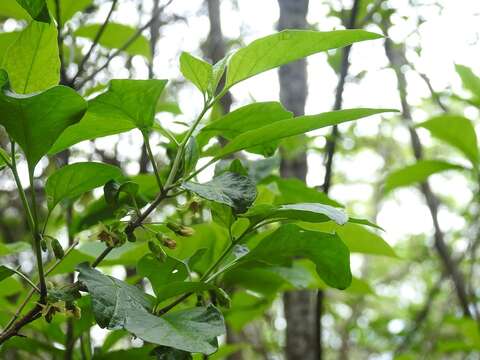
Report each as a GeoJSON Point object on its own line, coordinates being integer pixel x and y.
{"type": "Point", "coordinates": [299, 306]}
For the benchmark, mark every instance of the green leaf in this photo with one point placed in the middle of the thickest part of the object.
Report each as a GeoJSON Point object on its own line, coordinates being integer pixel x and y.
{"type": "Point", "coordinates": [456, 131]}
{"type": "Point", "coordinates": [11, 9]}
{"type": "Point", "coordinates": [295, 126]}
{"type": "Point", "coordinates": [37, 9]}
{"type": "Point", "coordinates": [14, 248]}
{"type": "Point", "coordinates": [5, 272]}
{"type": "Point", "coordinates": [193, 330]}
{"type": "Point", "coordinates": [191, 156]}
{"type": "Point", "coordinates": [356, 237]}
{"type": "Point", "coordinates": [287, 46]}
{"type": "Point", "coordinates": [36, 121]}
{"type": "Point", "coordinates": [218, 70]}
{"type": "Point", "coordinates": [32, 61]}
{"type": "Point", "coordinates": [127, 104]}
{"type": "Point", "coordinates": [237, 191]}
{"type": "Point", "coordinates": [309, 212]}
{"type": "Point", "coordinates": [327, 251]}
{"type": "Point", "coordinates": [246, 118]}
{"type": "Point", "coordinates": [73, 180]}
{"type": "Point", "coordinates": [417, 173]}
{"type": "Point", "coordinates": [4, 159]}
{"type": "Point", "coordinates": [112, 300]}
{"type": "Point", "coordinates": [68, 8]}
{"type": "Point", "coordinates": [296, 191]}
{"type": "Point", "coordinates": [470, 81]}
{"type": "Point", "coordinates": [199, 72]}
{"type": "Point", "coordinates": [161, 273]}
{"type": "Point", "coordinates": [7, 39]}
{"type": "Point", "coordinates": [115, 36]}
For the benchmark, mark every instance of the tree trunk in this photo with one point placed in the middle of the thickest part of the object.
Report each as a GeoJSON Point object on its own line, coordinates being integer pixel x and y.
{"type": "Point", "coordinates": [299, 306]}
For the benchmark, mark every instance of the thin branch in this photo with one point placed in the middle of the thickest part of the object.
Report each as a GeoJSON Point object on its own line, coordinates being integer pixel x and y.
{"type": "Point", "coordinates": [81, 66]}
{"type": "Point", "coordinates": [396, 62]}
{"type": "Point", "coordinates": [125, 46]}
{"type": "Point", "coordinates": [26, 278]}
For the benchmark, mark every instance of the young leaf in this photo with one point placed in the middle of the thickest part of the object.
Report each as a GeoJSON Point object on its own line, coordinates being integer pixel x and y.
{"type": "Point", "coordinates": [5, 272]}
{"type": "Point", "coordinates": [32, 61]}
{"type": "Point", "coordinates": [193, 330]}
{"type": "Point", "coordinates": [37, 9]}
{"type": "Point", "coordinates": [287, 46]}
{"type": "Point", "coordinates": [36, 121]}
{"type": "Point", "coordinates": [191, 156]}
{"type": "Point", "coordinates": [126, 104]}
{"type": "Point", "coordinates": [115, 36]}
{"type": "Point", "coordinates": [470, 81]}
{"type": "Point", "coordinates": [4, 159]}
{"type": "Point", "coordinates": [73, 180]}
{"type": "Point", "coordinates": [456, 131]}
{"type": "Point", "coordinates": [295, 126]}
{"type": "Point", "coordinates": [218, 70]}
{"type": "Point", "coordinates": [112, 300]}
{"type": "Point", "coordinates": [327, 251]}
{"type": "Point", "coordinates": [237, 191]}
{"type": "Point", "coordinates": [417, 173]}
{"type": "Point", "coordinates": [197, 71]}
{"type": "Point", "coordinates": [310, 212]}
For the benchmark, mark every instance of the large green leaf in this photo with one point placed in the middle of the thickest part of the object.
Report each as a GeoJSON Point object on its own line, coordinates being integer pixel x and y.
{"type": "Point", "coordinates": [470, 81]}
{"type": "Point", "coordinates": [246, 118]}
{"type": "Point", "coordinates": [11, 9]}
{"type": "Point", "coordinates": [287, 46]}
{"type": "Point", "coordinates": [7, 39]}
{"type": "Point", "coordinates": [417, 173]}
{"type": "Point", "coordinates": [290, 127]}
{"type": "Point", "coordinates": [456, 131]}
{"type": "Point", "coordinates": [310, 212]}
{"type": "Point", "coordinates": [36, 121]}
{"type": "Point", "coordinates": [5, 272]}
{"type": "Point", "coordinates": [126, 105]}
{"type": "Point", "coordinates": [37, 9]}
{"type": "Point", "coordinates": [32, 61]}
{"type": "Point", "coordinates": [356, 237]}
{"type": "Point", "coordinates": [196, 70]}
{"type": "Point", "coordinates": [117, 304]}
{"type": "Point", "coordinates": [327, 251]}
{"type": "Point", "coordinates": [115, 36]}
{"type": "Point", "coordinates": [112, 299]}
{"type": "Point", "coordinates": [68, 8]}
{"type": "Point", "coordinates": [193, 330]}
{"type": "Point", "coordinates": [73, 180]}
{"type": "Point", "coordinates": [235, 190]}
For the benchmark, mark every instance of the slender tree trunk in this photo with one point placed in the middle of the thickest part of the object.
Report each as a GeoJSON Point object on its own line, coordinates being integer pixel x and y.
{"type": "Point", "coordinates": [215, 48]}
{"type": "Point", "coordinates": [299, 306]}
{"type": "Point", "coordinates": [396, 58]}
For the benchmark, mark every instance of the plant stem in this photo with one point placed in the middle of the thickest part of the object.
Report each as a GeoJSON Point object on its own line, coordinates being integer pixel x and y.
{"type": "Point", "coordinates": [37, 238]}
{"type": "Point", "coordinates": [26, 278]}
{"type": "Point", "coordinates": [146, 141]}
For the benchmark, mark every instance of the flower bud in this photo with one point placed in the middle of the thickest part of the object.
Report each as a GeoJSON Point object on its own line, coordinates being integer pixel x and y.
{"type": "Point", "coordinates": [169, 243]}
{"type": "Point", "coordinates": [57, 249]}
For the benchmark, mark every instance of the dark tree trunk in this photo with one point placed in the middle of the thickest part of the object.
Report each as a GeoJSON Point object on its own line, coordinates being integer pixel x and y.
{"type": "Point", "coordinates": [299, 306]}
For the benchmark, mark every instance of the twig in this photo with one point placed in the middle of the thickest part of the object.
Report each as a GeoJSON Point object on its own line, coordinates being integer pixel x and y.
{"type": "Point", "coordinates": [124, 46]}
{"type": "Point", "coordinates": [81, 66]}
{"type": "Point", "coordinates": [25, 277]}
